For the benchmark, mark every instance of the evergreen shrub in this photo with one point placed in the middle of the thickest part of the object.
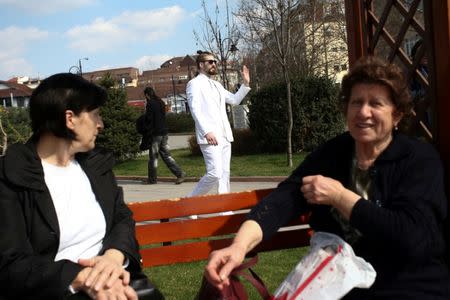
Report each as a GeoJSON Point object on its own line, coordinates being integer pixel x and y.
{"type": "Point", "coordinates": [16, 124]}
{"type": "Point", "coordinates": [315, 108]}
{"type": "Point", "coordinates": [119, 135]}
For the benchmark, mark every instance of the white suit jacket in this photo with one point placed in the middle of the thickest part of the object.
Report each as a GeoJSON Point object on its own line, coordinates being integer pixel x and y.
{"type": "Point", "coordinates": [206, 99]}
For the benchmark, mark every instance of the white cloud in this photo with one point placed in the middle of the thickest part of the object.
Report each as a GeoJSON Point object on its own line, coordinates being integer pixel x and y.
{"type": "Point", "coordinates": [126, 29]}
{"type": "Point", "coordinates": [13, 49]}
{"type": "Point", "coordinates": [9, 67]}
{"type": "Point", "coordinates": [151, 62]}
{"type": "Point", "coordinates": [46, 6]}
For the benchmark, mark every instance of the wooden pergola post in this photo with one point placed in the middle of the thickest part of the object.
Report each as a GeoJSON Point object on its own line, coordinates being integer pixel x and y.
{"type": "Point", "coordinates": [355, 30]}
{"type": "Point", "coordinates": [440, 80]}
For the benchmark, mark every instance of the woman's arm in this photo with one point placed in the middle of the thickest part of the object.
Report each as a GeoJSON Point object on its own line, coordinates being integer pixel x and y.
{"type": "Point", "coordinates": [22, 270]}
{"type": "Point", "coordinates": [122, 233]}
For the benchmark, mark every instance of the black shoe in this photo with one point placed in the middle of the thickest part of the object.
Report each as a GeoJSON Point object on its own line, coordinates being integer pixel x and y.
{"type": "Point", "coordinates": [150, 181]}
{"type": "Point", "coordinates": [180, 179]}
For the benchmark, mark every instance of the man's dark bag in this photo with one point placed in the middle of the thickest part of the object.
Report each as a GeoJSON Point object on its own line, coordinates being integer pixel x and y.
{"type": "Point", "coordinates": [236, 290]}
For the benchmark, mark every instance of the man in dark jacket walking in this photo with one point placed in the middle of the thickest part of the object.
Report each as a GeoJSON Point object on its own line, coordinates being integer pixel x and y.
{"type": "Point", "coordinates": [155, 117]}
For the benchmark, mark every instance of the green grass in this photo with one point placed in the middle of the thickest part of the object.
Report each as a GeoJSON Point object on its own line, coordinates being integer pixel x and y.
{"type": "Point", "coordinates": [194, 166]}
{"type": "Point", "coordinates": [182, 281]}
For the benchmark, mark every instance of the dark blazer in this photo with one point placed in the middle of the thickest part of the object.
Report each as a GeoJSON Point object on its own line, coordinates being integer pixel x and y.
{"type": "Point", "coordinates": [400, 224]}
{"type": "Point", "coordinates": [29, 229]}
{"type": "Point", "coordinates": [155, 113]}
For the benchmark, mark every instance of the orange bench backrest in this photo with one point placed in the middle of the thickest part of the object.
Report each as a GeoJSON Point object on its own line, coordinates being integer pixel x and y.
{"type": "Point", "coordinates": [167, 236]}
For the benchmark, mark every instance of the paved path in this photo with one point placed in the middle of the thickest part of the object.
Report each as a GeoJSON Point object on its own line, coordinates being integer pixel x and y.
{"type": "Point", "coordinates": [178, 141]}
{"type": "Point", "coordinates": [135, 190]}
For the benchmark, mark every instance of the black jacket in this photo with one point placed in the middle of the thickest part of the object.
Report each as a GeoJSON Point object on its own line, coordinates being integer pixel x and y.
{"type": "Point", "coordinates": [401, 222]}
{"type": "Point", "coordinates": [156, 117]}
{"type": "Point", "coordinates": [29, 230]}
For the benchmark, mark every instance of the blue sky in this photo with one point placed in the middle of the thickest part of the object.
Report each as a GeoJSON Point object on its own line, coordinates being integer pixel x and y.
{"type": "Point", "coordinates": [40, 38]}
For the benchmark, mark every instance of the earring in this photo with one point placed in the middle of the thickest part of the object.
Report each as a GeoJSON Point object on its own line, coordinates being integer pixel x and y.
{"type": "Point", "coordinates": [395, 127]}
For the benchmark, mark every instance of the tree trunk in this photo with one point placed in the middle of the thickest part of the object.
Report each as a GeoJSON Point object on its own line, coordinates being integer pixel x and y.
{"type": "Point", "coordinates": [287, 80]}
{"type": "Point", "coordinates": [4, 144]}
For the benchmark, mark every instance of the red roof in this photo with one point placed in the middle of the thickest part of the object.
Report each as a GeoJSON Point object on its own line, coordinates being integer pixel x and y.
{"type": "Point", "coordinates": [17, 89]}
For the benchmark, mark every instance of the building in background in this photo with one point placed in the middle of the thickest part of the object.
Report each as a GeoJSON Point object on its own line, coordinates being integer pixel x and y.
{"type": "Point", "coordinates": [324, 27]}
{"type": "Point", "coordinates": [170, 80]}
{"type": "Point", "coordinates": [123, 77]}
{"type": "Point", "coordinates": [13, 94]}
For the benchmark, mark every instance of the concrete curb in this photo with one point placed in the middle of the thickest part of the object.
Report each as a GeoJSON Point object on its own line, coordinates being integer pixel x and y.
{"type": "Point", "coordinates": [195, 179]}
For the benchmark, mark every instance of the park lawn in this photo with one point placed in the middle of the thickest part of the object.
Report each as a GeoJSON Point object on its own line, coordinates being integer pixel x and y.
{"type": "Point", "coordinates": [194, 166]}
{"type": "Point", "coordinates": [182, 281]}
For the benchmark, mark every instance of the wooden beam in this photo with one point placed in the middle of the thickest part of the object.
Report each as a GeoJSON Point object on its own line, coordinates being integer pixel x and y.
{"type": "Point", "coordinates": [439, 26]}
{"type": "Point", "coordinates": [355, 30]}
{"type": "Point", "coordinates": [440, 80]}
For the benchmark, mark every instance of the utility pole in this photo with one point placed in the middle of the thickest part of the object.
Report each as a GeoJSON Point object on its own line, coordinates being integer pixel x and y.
{"type": "Point", "coordinates": [174, 97]}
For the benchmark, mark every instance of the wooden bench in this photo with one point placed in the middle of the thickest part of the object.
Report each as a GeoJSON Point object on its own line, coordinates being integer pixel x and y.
{"type": "Point", "coordinates": [167, 236]}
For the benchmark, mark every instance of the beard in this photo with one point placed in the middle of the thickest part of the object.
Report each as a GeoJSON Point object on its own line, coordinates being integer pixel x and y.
{"type": "Point", "coordinates": [212, 71]}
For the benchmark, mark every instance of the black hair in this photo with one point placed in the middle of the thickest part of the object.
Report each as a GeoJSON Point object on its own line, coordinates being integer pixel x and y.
{"type": "Point", "coordinates": [150, 94]}
{"type": "Point", "coordinates": [58, 93]}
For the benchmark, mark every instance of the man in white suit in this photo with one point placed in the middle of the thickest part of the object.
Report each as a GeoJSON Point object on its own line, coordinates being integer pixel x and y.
{"type": "Point", "coordinates": [207, 99]}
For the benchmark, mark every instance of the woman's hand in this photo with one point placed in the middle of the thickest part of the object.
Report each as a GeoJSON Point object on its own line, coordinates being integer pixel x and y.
{"type": "Point", "coordinates": [117, 291]}
{"type": "Point", "coordinates": [318, 189]}
{"type": "Point", "coordinates": [105, 270]}
{"type": "Point", "coordinates": [321, 190]}
{"type": "Point", "coordinates": [221, 263]}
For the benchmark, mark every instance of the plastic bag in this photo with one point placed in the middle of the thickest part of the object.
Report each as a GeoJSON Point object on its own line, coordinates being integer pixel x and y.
{"type": "Point", "coordinates": [328, 272]}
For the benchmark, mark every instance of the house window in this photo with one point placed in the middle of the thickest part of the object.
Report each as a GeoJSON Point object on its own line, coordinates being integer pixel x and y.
{"type": "Point", "coordinates": [7, 102]}
{"type": "Point", "coordinates": [20, 102]}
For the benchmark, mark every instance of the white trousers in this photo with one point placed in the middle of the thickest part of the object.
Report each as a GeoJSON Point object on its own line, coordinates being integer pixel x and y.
{"type": "Point", "coordinates": [217, 161]}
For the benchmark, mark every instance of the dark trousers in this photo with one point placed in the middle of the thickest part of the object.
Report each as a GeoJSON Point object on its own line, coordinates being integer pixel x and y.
{"type": "Point", "coordinates": [159, 147]}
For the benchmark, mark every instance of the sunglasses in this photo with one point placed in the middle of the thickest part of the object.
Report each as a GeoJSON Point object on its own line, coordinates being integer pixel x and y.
{"type": "Point", "coordinates": [211, 61]}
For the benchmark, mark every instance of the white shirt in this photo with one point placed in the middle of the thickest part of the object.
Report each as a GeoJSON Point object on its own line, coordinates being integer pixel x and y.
{"type": "Point", "coordinates": [81, 221]}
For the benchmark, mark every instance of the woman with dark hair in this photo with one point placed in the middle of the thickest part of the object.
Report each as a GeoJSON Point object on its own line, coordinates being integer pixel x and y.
{"type": "Point", "coordinates": [65, 229]}
{"type": "Point", "coordinates": [378, 189]}
{"type": "Point", "coordinates": [157, 136]}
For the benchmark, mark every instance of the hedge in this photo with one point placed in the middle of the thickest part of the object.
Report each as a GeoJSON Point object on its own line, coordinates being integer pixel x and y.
{"type": "Point", "coordinates": [316, 114]}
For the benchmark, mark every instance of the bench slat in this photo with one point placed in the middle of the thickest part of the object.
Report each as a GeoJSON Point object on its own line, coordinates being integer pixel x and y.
{"type": "Point", "coordinates": [182, 253]}
{"type": "Point", "coordinates": [206, 204]}
{"type": "Point", "coordinates": [189, 229]}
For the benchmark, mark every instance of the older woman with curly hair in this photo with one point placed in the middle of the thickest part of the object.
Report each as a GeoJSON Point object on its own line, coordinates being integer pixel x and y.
{"type": "Point", "coordinates": [378, 189]}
